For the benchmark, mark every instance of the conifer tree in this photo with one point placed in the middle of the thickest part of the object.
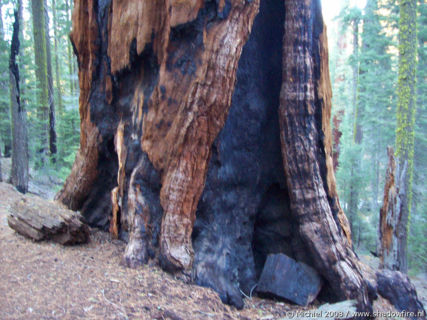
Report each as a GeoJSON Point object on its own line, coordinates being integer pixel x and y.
{"type": "Point", "coordinates": [406, 109]}
{"type": "Point", "coordinates": [40, 54]}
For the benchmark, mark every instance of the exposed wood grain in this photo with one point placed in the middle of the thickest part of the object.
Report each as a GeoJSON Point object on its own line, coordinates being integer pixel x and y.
{"type": "Point", "coordinates": [40, 219]}
{"type": "Point", "coordinates": [390, 229]}
{"type": "Point", "coordinates": [304, 115]}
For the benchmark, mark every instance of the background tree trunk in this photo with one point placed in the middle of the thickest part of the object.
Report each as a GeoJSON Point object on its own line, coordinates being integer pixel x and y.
{"type": "Point", "coordinates": [406, 110]}
{"type": "Point", "coordinates": [391, 215]}
{"type": "Point", "coordinates": [52, 131]}
{"type": "Point", "coordinates": [19, 174]}
{"type": "Point", "coordinates": [40, 53]}
{"type": "Point", "coordinates": [57, 70]}
{"type": "Point", "coordinates": [5, 129]}
{"type": "Point", "coordinates": [205, 139]}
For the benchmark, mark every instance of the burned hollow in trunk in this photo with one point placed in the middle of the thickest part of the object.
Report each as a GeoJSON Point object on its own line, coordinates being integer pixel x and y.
{"type": "Point", "coordinates": [205, 139]}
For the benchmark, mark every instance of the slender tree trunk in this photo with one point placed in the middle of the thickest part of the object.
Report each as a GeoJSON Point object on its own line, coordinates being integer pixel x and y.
{"type": "Point", "coordinates": [69, 51]}
{"type": "Point", "coordinates": [357, 138]}
{"type": "Point", "coordinates": [391, 215]}
{"type": "Point", "coordinates": [355, 158]}
{"type": "Point", "coordinates": [40, 53]}
{"type": "Point", "coordinates": [5, 130]}
{"type": "Point", "coordinates": [1, 176]}
{"type": "Point", "coordinates": [52, 131]}
{"type": "Point", "coordinates": [19, 174]}
{"type": "Point", "coordinates": [57, 70]}
{"type": "Point", "coordinates": [336, 135]}
{"type": "Point", "coordinates": [406, 109]}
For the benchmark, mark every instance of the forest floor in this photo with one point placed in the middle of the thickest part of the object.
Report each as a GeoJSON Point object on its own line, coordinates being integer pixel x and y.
{"type": "Point", "coordinates": [43, 280]}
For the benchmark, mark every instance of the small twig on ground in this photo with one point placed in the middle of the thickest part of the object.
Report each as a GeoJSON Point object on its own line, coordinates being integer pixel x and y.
{"type": "Point", "coordinates": [244, 294]}
{"type": "Point", "coordinates": [205, 313]}
{"type": "Point", "coordinates": [252, 290]}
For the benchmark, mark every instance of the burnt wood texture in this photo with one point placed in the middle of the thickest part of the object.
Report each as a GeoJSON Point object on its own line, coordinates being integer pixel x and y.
{"type": "Point", "coordinates": [206, 139]}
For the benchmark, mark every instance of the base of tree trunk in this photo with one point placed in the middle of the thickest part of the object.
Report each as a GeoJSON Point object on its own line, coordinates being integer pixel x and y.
{"type": "Point", "coordinates": [206, 140]}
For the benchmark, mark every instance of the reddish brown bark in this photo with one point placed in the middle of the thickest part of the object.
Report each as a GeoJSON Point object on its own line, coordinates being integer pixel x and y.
{"type": "Point", "coordinates": [306, 144]}
{"type": "Point", "coordinates": [179, 114]}
{"type": "Point", "coordinates": [187, 107]}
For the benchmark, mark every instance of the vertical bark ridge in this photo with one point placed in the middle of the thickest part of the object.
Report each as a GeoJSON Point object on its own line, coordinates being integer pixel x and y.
{"type": "Point", "coordinates": [182, 56]}
{"type": "Point", "coordinates": [207, 103]}
{"type": "Point", "coordinates": [84, 172]}
{"type": "Point", "coordinates": [304, 115]}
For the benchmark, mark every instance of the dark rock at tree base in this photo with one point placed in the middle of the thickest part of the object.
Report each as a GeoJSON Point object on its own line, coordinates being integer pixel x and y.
{"type": "Point", "coordinates": [286, 278]}
{"type": "Point", "coordinates": [396, 287]}
{"type": "Point", "coordinates": [40, 219]}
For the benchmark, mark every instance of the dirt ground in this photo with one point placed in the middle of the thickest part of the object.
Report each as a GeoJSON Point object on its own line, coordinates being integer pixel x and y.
{"type": "Point", "coordinates": [48, 281]}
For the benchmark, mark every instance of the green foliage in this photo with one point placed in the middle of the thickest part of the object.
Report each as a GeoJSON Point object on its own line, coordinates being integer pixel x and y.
{"type": "Point", "coordinates": [417, 244]}
{"type": "Point", "coordinates": [67, 117]}
{"type": "Point", "coordinates": [379, 98]}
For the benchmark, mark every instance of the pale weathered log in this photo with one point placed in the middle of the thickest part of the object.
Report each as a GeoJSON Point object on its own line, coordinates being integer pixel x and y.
{"type": "Point", "coordinates": [40, 219]}
{"type": "Point", "coordinates": [396, 287]}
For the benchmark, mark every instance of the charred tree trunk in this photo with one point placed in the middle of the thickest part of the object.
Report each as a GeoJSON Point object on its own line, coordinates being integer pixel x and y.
{"type": "Point", "coordinates": [19, 172]}
{"type": "Point", "coordinates": [304, 116]}
{"type": "Point", "coordinates": [186, 110]}
{"type": "Point", "coordinates": [391, 229]}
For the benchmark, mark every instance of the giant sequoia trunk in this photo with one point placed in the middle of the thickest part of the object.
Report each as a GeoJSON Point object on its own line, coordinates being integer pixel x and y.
{"type": "Point", "coordinates": [206, 140]}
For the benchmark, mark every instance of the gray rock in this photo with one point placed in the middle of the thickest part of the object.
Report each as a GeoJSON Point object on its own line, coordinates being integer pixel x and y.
{"type": "Point", "coordinates": [286, 278]}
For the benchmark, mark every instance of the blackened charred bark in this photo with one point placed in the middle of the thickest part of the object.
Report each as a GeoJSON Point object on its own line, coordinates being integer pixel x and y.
{"type": "Point", "coordinates": [244, 214]}
{"type": "Point", "coordinates": [304, 115]}
{"type": "Point", "coordinates": [19, 174]}
{"type": "Point", "coordinates": [398, 289]}
{"type": "Point", "coordinates": [165, 85]}
{"type": "Point", "coordinates": [182, 139]}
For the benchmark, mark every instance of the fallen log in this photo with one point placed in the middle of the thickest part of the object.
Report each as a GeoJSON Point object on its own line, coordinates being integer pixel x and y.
{"type": "Point", "coordinates": [396, 287]}
{"type": "Point", "coordinates": [40, 219]}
